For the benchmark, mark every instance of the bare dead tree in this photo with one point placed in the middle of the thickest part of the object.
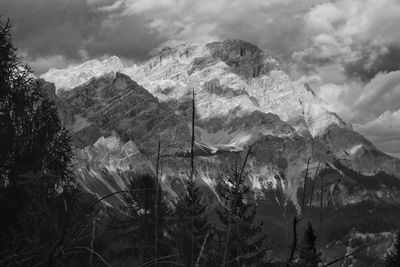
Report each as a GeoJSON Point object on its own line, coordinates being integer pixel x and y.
{"type": "Point", "coordinates": [156, 204]}
{"type": "Point", "coordinates": [313, 184]}
{"type": "Point", "coordinates": [293, 247]}
{"type": "Point", "coordinates": [321, 199]}
{"type": "Point", "coordinates": [192, 171]}
{"type": "Point", "coordinates": [305, 187]}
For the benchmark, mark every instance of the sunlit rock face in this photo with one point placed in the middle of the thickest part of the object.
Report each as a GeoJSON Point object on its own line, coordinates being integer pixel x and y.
{"type": "Point", "coordinates": [65, 79]}
{"type": "Point", "coordinates": [242, 99]}
{"type": "Point", "coordinates": [226, 76]}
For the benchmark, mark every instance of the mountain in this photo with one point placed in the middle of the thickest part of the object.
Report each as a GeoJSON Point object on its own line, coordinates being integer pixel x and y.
{"type": "Point", "coordinates": [77, 75]}
{"type": "Point", "coordinates": [117, 115]}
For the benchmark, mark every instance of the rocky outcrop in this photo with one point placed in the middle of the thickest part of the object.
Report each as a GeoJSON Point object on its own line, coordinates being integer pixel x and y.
{"type": "Point", "coordinates": [108, 165]}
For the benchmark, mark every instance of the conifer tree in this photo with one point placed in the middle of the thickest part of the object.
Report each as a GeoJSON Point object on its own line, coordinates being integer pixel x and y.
{"type": "Point", "coordinates": [141, 197]}
{"type": "Point", "coordinates": [392, 258]}
{"type": "Point", "coordinates": [190, 211]}
{"type": "Point", "coordinates": [308, 254]}
{"type": "Point", "coordinates": [242, 238]}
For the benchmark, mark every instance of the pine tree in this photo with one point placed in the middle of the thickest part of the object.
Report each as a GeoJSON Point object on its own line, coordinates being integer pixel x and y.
{"type": "Point", "coordinates": [241, 238]}
{"type": "Point", "coordinates": [190, 225]}
{"type": "Point", "coordinates": [308, 254]}
{"type": "Point", "coordinates": [392, 258]}
{"type": "Point", "coordinates": [141, 197]}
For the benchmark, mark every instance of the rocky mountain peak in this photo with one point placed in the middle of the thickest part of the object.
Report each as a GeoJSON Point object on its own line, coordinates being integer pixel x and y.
{"type": "Point", "coordinates": [245, 59]}
{"type": "Point", "coordinates": [227, 76]}
{"type": "Point", "coordinates": [70, 77]}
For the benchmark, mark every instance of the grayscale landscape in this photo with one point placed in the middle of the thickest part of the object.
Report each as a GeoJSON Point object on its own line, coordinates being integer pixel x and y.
{"type": "Point", "coordinates": [200, 133]}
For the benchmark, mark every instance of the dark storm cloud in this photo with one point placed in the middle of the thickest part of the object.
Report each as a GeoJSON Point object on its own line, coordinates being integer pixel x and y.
{"type": "Point", "coordinates": [51, 26]}
{"type": "Point", "coordinates": [370, 63]}
{"type": "Point", "coordinates": [276, 28]}
{"type": "Point", "coordinates": [126, 37]}
{"type": "Point", "coordinates": [274, 25]}
{"type": "Point", "coordinates": [73, 29]}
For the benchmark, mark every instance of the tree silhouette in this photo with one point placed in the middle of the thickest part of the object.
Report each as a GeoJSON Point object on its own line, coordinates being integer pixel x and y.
{"type": "Point", "coordinates": [41, 212]}
{"type": "Point", "coordinates": [308, 254]}
{"type": "Point", "coordinates": [241, 238]}
{"type": "Point", "coordinates": [188, 208]}
{"type": "Point", "coordinates": [141, 197]}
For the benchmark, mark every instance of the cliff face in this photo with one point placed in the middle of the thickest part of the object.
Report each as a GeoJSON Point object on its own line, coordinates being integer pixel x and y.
{"type": "Point", "coordinates": [242, 98]}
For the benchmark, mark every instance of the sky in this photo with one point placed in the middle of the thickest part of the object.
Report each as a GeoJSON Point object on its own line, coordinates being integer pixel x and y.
{"type": "Point", "coordinates": [347, 50]}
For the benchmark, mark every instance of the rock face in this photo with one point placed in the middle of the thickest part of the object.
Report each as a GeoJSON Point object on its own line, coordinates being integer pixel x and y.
{"type": "Point", "coordinates": [242, 99]}
{"type": "Point", "coordinates": [77, 75]}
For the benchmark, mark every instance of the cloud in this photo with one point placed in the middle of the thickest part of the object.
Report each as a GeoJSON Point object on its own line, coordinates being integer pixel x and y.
{"type": "Point", "coordinates": [381, 94]}
{"type": "Point", "coordinates": [134, 28]}
{"type": "Point", "coordinates": [373, 108]}
{"type": "Point", "coordinates": [272, 25]}
{"type": "Point", "coordinates": [43, 64]}
{"type": "Point", "coordinates": [384, 131]}
{"type": "Point", "coordinates": [354, 34]}
{"type": "Point", "coordinates": [361, 103]}
{"type": "Point", "coordinates": [386, 126]}
{"type": "Point", "coordinates": [47, 29]}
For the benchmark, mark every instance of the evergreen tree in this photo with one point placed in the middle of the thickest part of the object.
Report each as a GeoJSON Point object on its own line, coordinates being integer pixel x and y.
{"type": "Point", "coordinates": [143, 219]}
{"type": "Point", "coordinates": [392, 258]}
{"type": "Point", "coordinates": [190, 226]}
{"type": "Point", "coordinates": [240, 242]}
{"type": "Point", "coordinates": [308, 254]}
{"type": "Point", "coordinates": [37, 202]}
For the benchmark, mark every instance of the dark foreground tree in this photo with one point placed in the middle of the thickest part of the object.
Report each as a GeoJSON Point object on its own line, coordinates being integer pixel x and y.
{"type": "Point", "coordinates": [190, 227]}
{"type": "Point", "coordinates": [241, 242]}
{"type": "Point", "coordinates": [392, 258]}
{"type": "Point", "coordinates": [40, 214]}
{"type": "Point", "coordinates": [308, 254]}
{"type": "Point", "coordinates": [132, 237]}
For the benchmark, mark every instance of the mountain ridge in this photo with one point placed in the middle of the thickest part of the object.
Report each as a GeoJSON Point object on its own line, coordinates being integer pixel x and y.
{"type": "Point", "coordinates": [242, 100]}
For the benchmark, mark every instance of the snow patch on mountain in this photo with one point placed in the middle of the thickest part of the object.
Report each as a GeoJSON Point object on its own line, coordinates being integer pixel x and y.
{"type": "Point", "coordinates": [355, 148]}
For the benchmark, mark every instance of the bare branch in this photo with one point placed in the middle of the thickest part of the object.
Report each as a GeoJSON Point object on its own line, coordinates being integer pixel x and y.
{"type": "Point", "coordinates": [155, 260]}
{"type": "Point", "coordinates": [92, 251]}
{"type": "Point", "coordinates": [334, 189]}
{"type": "Point", "coordinates": [350, 254]}
{"type": "Point", "coordinates": [202, 250]}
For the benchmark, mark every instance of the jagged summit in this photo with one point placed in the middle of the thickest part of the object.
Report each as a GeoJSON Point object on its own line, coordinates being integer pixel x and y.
{"type": "Point", "coordinates": [73, 76]}
{"type": "Point", "coordinates": [226, 76]}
